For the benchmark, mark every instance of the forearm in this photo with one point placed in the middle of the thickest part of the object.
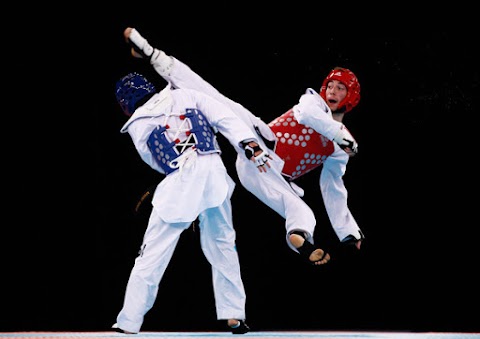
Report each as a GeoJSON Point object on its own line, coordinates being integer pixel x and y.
{"type": "Point", "coordinates": [334, 194]}
{"type": "Point", "coordinates": [313, 112]}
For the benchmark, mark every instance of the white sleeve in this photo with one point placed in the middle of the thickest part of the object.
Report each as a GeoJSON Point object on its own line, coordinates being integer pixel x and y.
{"type": "Point", "coordinates": [334, 194]}
{"type": "Point", "coordinates": [314, 112]}
{"type": "Point", "coordinates": [225, 120]}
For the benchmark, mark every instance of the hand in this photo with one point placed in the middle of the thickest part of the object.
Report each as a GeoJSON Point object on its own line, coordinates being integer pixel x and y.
{"type": "Point", "coordinates": [261, 161]}
{"type": "Point", "coordinates": [346, 141]}
{"type": "Point", "coordinates": [257, 155]}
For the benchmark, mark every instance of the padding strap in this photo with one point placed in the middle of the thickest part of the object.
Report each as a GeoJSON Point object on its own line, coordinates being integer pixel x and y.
{"type": "Point", "coordinates": [140, 44]}
{"type": "Point", "coordinates": [306, 249]}
{"type": "Point", "coordinates": [249, 150]}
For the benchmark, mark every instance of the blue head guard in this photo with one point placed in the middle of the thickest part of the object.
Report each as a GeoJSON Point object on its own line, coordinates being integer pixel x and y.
{"type": "Point", "coordinates": [130, 89]}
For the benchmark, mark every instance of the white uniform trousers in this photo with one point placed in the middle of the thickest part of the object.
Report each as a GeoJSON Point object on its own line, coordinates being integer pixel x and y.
{"type": "Point", "coordinates": [274, 191]}
{"type": "Point", "coordinates": [217, 239]}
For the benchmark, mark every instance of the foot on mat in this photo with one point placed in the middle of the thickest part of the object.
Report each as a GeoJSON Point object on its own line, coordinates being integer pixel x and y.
{"type": "Point", "coordinates": [119, 330]}
{"type": "Point", "coordinates": [239, 328]}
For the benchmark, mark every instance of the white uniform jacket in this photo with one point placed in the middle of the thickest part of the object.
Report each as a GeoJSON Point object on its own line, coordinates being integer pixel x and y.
{"type": "Point", "coordinates": [201, 181]}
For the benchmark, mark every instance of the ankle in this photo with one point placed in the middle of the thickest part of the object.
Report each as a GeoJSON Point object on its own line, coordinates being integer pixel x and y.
{"type": "Point", "coordinates": [233, 323]}
{"type": "Point", "coordinates": [296, 240]}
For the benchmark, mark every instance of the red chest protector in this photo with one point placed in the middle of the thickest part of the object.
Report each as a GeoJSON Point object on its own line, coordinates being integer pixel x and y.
{"type": "Point", "coordinates": [298, 145]}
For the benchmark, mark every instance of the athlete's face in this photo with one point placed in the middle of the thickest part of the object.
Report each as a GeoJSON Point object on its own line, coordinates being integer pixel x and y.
{"type": "Point", "coordinates": [335, 93]}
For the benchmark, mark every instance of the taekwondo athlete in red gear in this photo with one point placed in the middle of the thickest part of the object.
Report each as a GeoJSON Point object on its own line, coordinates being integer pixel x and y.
{"type": "Point", "coordinates": [310, 135]}
{"type": "Point", "coordinates": [174, 133]}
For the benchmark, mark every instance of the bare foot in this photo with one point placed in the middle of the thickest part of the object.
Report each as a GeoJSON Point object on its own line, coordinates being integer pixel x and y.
{"type": "Point", "coordinates": [127, 32]}
{"type": "Point", "coordinates": [126, 35]}
{"type": "Point", "coordinates": [317, 257]}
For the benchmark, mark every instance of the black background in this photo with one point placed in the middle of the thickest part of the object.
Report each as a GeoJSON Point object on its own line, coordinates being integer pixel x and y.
{"type": "Point", "coordinates": [412, 187]}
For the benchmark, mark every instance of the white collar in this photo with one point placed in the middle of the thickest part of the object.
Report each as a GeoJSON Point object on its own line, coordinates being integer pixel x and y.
{"type": "Point", "coordinates": [149, 109]}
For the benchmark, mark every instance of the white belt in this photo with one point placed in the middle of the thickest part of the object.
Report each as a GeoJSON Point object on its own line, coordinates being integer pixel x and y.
{"type": "Point", "coordinates": [185, 160]}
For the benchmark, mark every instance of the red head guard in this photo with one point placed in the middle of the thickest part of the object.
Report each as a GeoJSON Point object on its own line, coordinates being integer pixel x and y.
{"type": "Point", "coordinates": [346, 77]}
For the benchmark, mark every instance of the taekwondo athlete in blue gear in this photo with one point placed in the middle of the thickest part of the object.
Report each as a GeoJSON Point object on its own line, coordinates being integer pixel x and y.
{"type": "Point", "coordinates": [174, 133]}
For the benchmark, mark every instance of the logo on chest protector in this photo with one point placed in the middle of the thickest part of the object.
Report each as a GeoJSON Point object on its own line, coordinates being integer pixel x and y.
{"type": "Point", "coordinates": [198, 133]}
{"type": "Point", "coordinates": [300, 146]}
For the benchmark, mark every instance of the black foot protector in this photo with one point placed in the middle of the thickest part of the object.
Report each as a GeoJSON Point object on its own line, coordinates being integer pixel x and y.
{"type": "Point", "coordinates": [241, 328]}
{"type": "Point", "coordinates": [307, 249]}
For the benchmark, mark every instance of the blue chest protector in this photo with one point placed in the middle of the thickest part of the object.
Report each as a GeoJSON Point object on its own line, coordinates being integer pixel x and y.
{"type": "Point", "coordinates": [200, 136]}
